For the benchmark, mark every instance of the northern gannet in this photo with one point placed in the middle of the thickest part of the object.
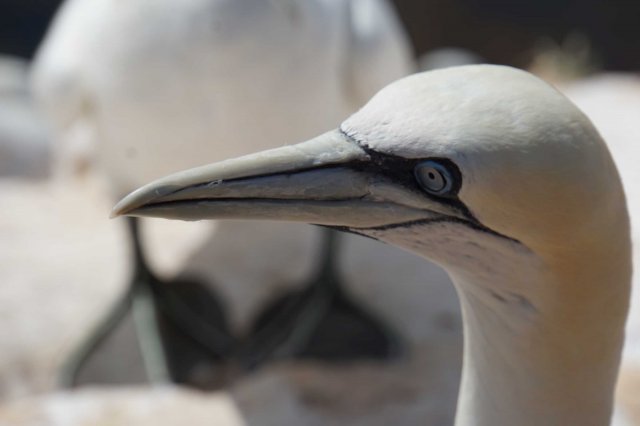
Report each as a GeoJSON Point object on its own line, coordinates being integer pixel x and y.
{"type": "Point", "coordinates": [158, 86]}
{"type": "Point", "coordinates": [496, 176]}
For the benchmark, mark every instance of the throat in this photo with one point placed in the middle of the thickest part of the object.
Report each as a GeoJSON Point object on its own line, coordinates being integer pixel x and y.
{"type": "Point", "coordinates": [542, 337]}
{"type": "Point", "coordinates": [529, 366]}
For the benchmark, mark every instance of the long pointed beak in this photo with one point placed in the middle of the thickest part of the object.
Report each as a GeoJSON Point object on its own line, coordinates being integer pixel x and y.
{"type": "Point", "coordinates": [327, 180]}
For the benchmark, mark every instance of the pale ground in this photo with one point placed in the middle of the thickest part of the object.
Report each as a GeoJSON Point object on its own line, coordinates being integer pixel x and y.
{"type": "Point", "coordinates": [403, 394]}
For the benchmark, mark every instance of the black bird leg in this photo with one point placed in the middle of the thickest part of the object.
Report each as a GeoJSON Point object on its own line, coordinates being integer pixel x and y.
{"type": "Point", "coordinates": [138, 297]}
{"type": "Point", "coordinates": [163, 313]}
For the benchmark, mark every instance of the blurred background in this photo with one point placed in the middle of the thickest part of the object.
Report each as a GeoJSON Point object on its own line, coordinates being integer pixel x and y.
{"type": "Point", "coordinates": [123, 92]}
{"type": "Point", "coordinates": [500, 32]}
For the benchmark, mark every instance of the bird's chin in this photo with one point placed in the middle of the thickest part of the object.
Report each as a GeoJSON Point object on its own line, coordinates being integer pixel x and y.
{"type": "Point", "coordinates": [431, 235]}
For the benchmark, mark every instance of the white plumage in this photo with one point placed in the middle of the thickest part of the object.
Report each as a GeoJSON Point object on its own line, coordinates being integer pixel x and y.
{"type": "Point", "coordinates": [165, 85]}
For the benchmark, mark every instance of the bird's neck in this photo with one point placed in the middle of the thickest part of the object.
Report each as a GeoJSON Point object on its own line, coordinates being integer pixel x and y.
{"type": "Point", "coordinates": [541, 346]}
{"type": "Point", "coordinates": [543, 329]}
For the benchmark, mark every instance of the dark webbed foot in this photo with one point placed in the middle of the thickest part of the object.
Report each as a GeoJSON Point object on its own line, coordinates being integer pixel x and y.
{"type": "Point", "coordinates": [320, 321]}
{"type": "Point", "coordinates": [195, 334]}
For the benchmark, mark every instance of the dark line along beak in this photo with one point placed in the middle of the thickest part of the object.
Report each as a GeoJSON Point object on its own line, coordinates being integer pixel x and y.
{"type": "Point", "coordinates": [320, 181]}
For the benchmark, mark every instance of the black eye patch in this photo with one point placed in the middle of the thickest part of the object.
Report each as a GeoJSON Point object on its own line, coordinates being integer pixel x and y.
{"type": "Point", "coordinates": [402, 171]}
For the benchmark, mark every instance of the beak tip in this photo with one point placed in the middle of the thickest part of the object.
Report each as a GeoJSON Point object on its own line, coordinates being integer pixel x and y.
{"type": "Point", "coordinates": [127, 205]}
{"type": "Point", "coordinates": [114, 213]}
{"type": "Point", "coordinates": [137, 199]}
{"type": "Point", "coordinates": [118, 210]}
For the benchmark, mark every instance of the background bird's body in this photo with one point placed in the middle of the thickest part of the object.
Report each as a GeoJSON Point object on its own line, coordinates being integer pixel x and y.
{"type": "Point", "coordinates": [177, 85]}
{"type": "Point", "coordinates": [154, 87]}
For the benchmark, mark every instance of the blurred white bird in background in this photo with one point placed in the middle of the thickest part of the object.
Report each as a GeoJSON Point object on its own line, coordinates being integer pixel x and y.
{"type": "Point", "coordinates": [145, 88]}
{"type": "Point", "coordinates": [219, 70]}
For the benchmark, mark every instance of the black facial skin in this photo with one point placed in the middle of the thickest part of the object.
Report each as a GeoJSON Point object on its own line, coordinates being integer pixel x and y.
{"type": "Point", "coordinates": [400, 170]}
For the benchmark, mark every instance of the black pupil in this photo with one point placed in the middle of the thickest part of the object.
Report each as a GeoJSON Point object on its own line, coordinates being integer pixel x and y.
{"type": "Point", "coordinates": [438, 177]}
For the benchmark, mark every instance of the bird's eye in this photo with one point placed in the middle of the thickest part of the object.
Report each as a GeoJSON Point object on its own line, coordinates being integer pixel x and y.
{"type": "Point", "coordinates": [434, 177]}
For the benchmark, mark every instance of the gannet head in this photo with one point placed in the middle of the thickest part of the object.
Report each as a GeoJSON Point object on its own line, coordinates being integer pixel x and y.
{"type": "Point", "coordinates": [484, 149]}
{"type": "Point", "coordinates": [496, 176]}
